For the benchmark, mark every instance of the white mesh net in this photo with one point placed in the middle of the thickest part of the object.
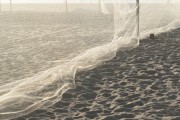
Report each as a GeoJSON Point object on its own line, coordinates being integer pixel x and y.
{"type": "Point", "coordinates": [43, 47]}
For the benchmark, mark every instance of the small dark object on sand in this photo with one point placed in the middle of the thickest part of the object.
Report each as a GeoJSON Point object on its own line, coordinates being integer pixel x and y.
{"type": "Point", "coordinates": [152, 36]}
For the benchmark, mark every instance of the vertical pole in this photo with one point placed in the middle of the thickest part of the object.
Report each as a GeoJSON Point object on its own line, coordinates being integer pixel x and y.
{"type": "Point", "coordinates": [0, 5]}
{"type": "Point", "coordinates": [99, 5]}
{"type": "Point", "coordinates": [66, 7]}
{"type": "Point", "coordinates": [81, 4]}
{"type": "Point", "coordinates": [137, 15]}
{"type": "Point", "coordinates": [11, 5]}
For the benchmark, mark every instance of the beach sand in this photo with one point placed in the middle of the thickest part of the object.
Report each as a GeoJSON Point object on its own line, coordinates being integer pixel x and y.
{"type": "Point", "coordinates": [142, 83]}
{"type": "Point", "coordinates": [33, 42]}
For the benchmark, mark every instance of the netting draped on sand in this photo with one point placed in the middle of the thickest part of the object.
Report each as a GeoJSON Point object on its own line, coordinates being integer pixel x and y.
{"type": "Point", "coordinates": [42, 51]}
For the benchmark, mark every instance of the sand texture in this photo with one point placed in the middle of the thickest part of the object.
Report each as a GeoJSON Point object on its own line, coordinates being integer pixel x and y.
{"type": "Point", "coordinates": [33, 42]}
{"type": "Point", "coordinates": [142, 83]}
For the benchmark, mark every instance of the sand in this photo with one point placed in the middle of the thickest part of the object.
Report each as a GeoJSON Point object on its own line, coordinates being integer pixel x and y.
{"type": "Point", "coordinates": [142, 83]}
{"type": "Point", "coordinates": [33, 42]}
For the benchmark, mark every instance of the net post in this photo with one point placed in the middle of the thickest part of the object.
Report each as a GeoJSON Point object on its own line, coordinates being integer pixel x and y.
{"type": "Point", "coordinates": [0, 5]}
{"type": "Point", "coordinates": [11, 5]}
{"type": "Point", "coordinates": [137, 15]}
{"type": "Point", "coordinates": [99, 5]}
{"type": "Point", "coordinates": [66, 8]}
{"type": "Point", "coordinates": [81, 4]}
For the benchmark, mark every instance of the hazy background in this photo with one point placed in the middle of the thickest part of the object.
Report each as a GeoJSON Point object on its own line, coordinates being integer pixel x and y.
{"type": "Point", "coordinates": [79, 1]}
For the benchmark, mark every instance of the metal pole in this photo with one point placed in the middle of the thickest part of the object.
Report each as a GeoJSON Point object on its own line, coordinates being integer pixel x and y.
{"type": "Point", "coordinates": [99, 5]}
{"type": "Point", "coordinates": [66, 7]}
{"type": "Point", "coordinates": [11, 5]}
{"type": "Point", "coordinates": [137, 14]}
{"type": "Point", "coordinates": [0, 5]}
{"type": "Point", "coordinates": [81, 4]}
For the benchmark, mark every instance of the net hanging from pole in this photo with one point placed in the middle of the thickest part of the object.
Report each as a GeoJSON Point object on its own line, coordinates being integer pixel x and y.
{"type": "Point", "coordinates": [45, 45]}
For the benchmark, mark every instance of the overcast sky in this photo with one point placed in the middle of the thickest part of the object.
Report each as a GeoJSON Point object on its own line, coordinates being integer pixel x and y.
{"type": "Point", "coordinates": [78, 1]}
{"type": "Point", "coordinates": [42, 1]}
